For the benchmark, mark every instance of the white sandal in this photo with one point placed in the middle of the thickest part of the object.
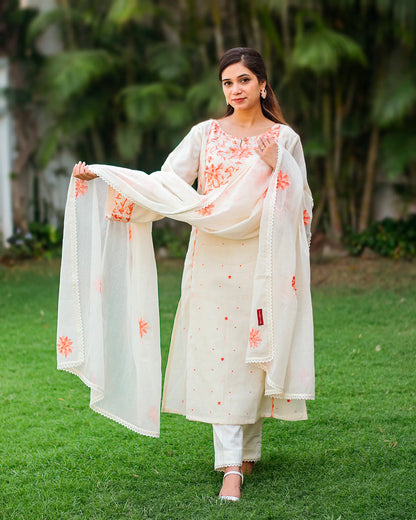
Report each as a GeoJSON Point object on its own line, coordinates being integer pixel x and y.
{"type": "Point", "coordinates": [231, 498]}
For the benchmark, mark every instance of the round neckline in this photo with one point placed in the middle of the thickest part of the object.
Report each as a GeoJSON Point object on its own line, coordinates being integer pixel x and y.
{"type": "Point", "coordinates": [247, 136]}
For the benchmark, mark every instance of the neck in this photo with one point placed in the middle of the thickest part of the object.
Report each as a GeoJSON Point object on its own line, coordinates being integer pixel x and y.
{"type": "Point", "coordinates": [248, 118]}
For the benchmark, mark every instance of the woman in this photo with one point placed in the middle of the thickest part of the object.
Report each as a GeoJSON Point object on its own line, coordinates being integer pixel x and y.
{"type": "Point", "coordinates": [242, 344]}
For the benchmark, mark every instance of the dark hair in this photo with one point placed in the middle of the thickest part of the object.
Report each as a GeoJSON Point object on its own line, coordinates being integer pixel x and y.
{"type": "Point", "coordinates": [252, 59]}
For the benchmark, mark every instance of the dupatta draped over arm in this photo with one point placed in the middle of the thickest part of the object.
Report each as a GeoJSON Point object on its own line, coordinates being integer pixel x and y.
{"type": "Point", "coordinates": [108, 319]}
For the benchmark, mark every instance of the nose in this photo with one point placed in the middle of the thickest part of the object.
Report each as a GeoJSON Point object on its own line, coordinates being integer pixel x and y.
{"type": "Point", "coordinates": [236, 88]}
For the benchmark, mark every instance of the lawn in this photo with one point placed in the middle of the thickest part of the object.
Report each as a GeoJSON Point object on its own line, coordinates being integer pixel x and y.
{"type": "Point", "coordinates": [354, 459]}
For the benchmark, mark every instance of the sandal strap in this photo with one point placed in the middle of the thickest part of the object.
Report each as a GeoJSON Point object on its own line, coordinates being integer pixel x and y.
{"type": "Point", "coordinates": [234, 472]}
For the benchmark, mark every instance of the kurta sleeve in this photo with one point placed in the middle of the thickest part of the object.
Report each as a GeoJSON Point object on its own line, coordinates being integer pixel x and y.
{"type": "Point", "coordinates": [296, 150]}
{"type": "Point", "coordinates": [184, 160]}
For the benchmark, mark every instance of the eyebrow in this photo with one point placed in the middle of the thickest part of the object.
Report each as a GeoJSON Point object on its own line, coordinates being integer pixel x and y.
{"type": "Point", "coordinates": [240, 76]}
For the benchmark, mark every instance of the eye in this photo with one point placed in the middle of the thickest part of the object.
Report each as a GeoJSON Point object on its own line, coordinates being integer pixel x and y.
{"type": "Point", "coordinates": [227, 83]}
{"type": "Point", "coordinates": [245, 80]}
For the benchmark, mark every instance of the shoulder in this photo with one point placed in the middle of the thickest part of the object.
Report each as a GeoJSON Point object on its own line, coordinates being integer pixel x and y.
{"type": "Point", "coordinates": [202, 127]}
{"type": "Point", "coordinates": [288, 132]}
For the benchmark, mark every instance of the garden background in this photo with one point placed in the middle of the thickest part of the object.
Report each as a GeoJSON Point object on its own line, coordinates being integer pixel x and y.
{"type": "Point", "coordinates": [121, 82]}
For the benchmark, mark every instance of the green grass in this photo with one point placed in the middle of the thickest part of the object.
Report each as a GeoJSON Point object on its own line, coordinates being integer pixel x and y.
{"type": "Point", "coordinates": [354, 458]}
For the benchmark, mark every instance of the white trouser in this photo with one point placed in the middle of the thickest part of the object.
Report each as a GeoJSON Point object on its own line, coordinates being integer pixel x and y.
{"type": "Point", "coordinates": [234, 444]}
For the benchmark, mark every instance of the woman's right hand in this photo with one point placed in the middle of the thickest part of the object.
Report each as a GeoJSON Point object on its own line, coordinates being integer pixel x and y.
{"type": "Point", "coordinates": [81, 171]}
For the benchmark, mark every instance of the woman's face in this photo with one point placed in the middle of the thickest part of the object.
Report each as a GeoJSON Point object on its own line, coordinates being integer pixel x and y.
{"type": "Point", "coordinates": [241, 87]}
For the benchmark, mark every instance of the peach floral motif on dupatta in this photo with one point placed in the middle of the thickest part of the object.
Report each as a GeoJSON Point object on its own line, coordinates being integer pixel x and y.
{"type": "Point", "coordinates": [282, 181]}
{"type": "Point", "coordinates": [81, 187]}
{"type": "Point", "coordinates": [254, 338]}
{"type": "Point", "coordinates": [64, 346]}
{"type": "Point", "coordinates": [143, 326]}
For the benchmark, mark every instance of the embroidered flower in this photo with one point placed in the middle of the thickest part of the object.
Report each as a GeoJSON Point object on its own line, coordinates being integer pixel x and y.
{"type": "Point", "coordinates": [64, 346]}
{"type": "Point", "coordinates": [122, 209]}
{"type": "Point", "coordinates": [294, 283]}
{"type": "Point", "coordinates": [282, 181]}
{"type": "Point", "coordinates": [254, 338]}
{"type": "Point", "coordinates": [213, 175]}
{"type": "Point", "coordinates": [206, 211]}
{"type": "Point", "coordinates": [81, 187]}
{"type": "Point", "coordinates": [143, 326]}
{"type": "Point", "coordinates": [239, 152]}
{"type": "Point", "coordinates": [306, 217]}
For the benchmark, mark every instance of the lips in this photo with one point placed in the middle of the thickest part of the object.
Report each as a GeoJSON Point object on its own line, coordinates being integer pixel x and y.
{"type": "Point", "coordinates": [238, 100]}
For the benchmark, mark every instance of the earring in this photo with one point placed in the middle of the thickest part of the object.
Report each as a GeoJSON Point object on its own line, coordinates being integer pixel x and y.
{"type": "Point", "coordinates": [263, 93]}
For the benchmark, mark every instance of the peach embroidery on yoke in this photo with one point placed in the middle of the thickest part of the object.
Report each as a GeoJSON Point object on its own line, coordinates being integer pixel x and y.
{"type": "Point", "coordinates": [225, 154]}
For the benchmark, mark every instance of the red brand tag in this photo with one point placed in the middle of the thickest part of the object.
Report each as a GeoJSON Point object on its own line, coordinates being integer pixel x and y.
{"type": "Point", "coordinates": [260, 316]}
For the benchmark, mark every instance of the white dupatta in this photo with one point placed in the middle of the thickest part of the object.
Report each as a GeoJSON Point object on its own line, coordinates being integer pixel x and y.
{"type": "Point", "coordinates": [109, 281]}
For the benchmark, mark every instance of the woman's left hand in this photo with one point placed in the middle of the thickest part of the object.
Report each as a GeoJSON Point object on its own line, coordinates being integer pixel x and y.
{"type": "Point", "coordinates": [267, 150]}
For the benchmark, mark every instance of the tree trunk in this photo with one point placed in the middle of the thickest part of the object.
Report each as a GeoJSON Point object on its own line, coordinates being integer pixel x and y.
{"type": "Point", "coordinates": [330, 181]}
{"type": "Point", "coordinates": [370, 169]}
{"type": "Point", "coordinates": [285, 29]}
{"type": "Point", "coordinates": [25, 130]}
{"type": "Point", "coordinates": [216, 17]}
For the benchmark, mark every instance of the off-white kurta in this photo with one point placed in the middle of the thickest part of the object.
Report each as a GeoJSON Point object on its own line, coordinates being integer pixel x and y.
{"type": "Point", "coordinates": [207, 377]}
{"type": "Point", "coordinates": [246, 274]}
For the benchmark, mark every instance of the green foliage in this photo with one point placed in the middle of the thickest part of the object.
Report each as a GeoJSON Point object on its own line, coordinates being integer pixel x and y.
{"type": "Point", "coordinates": [323, 50]}
{"type": "Point", "coordinates": [172, 238]}
{"type": "Point", "coordinates": [68, 73]}
{"type": "Point", "coordinates": [42, 240]}
{"type": "Point", "coordinates": [395, 96]}
{"type": "Point", "coordinates": [392, 238]}
{"type": "Point", "coordinates": [398, 150]}
{"type": "Point", "coordinates": [126, 11]}
{"type": "Point", "coordinates": [133, 75]}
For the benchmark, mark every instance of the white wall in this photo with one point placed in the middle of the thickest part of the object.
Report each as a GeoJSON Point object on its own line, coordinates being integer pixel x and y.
{"type": "Point", "coordinates": [6, 215]}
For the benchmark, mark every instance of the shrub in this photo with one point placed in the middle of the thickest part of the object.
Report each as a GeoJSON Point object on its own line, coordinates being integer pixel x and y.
{"type": "Point", "coordinates": [173, 237]}
{"type": "Point", "coordinates": [389, 237]}
{"type": "Point", "coordinates": [42, 240]}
